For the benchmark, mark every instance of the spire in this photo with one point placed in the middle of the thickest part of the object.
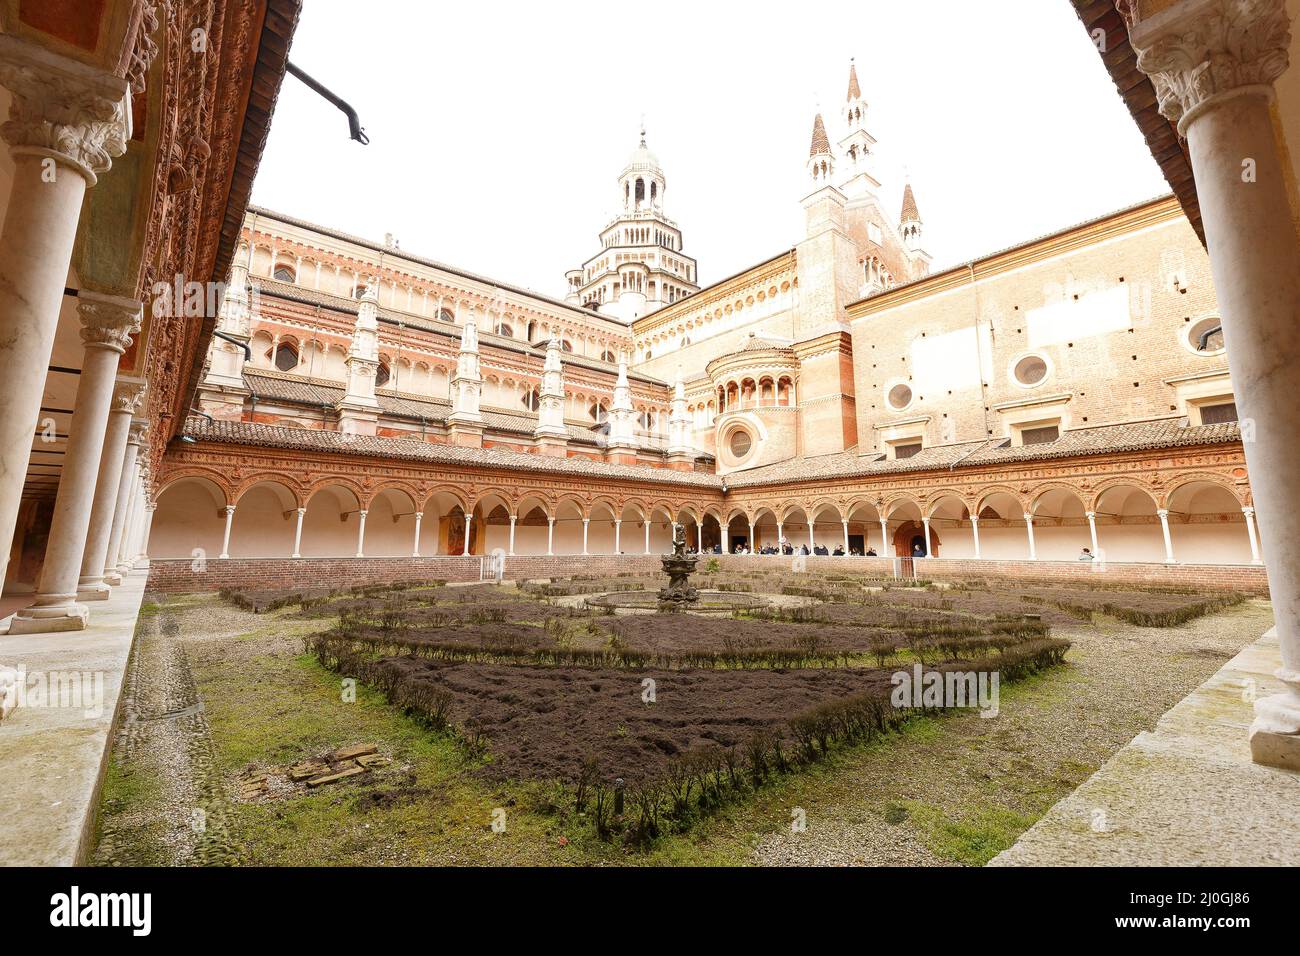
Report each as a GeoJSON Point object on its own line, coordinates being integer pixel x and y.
{"type": "Point", "coordinates": [679, 425]}
{"type": "Point", "coordinates": [855, 91]}
{"type": "Point", "coordinates": [550, 411]}
{"type": "Point", "coordinates": [820, 141]}
{"type": "Point", "coordinates": [359, 409]}
{"type": "Point", "coordinates": [467, 383]}
{"type": "Point", "coordinates": [910, 212]}
{"type": "Point", "coordinates": [622, 416]}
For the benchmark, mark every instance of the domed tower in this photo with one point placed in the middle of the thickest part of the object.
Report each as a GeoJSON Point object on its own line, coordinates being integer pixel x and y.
{"type": "Point", "coordinates": [640, 267]}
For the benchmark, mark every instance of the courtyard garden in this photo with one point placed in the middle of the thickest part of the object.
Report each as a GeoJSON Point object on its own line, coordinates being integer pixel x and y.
{"type": "Point", "coordinates": [517, 723]}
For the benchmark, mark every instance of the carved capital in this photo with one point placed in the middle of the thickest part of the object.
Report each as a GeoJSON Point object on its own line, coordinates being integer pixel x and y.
{"type": "Point", "coordinates": [137, 436]}
{"type": "Point", "coordinates": [1199, 49]}
{"type": "Point", "coordinates": [63, 109]}
{"type": "Point", "coordinates": [128, 396]}
{"type": "Point", "coordinates": [108, 322]}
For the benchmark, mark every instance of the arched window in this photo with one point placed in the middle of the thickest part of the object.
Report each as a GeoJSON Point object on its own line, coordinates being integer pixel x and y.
{"type": "Point", "coordinates": [286, 357]}
{"type": "Point", "coordinates": [531, 400]}
{"type": "Point", "coordinates": [610, 357]}
{"type": "Point", "coordinates": [566, 345]}
{"type": "Point", "coordinates": [597, 412]}
{"type": "Point", "coordinates": [382, 375]}
{"type": "Point", "coordinates": [445, 315]}
{"type": "Point", "coordinates": [640, 190]}
{"type": "Point", "coordinates": [284, 274]}
{"type": "Point", "coordinates": [506, 329]}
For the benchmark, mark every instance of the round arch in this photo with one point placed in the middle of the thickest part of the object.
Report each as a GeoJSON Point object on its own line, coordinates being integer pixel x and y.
{"type": "Point", "coordinates": [189, 519]}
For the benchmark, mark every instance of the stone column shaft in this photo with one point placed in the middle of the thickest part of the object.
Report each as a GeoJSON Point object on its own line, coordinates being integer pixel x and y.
{"type": "Point", "coordinates": [107, 324]}
{"type": "Point", "coordinates": [66, 122]}
{"type": "Point", "coordinates": [1213, 64]}
{"type": "Point", "coordinates": [297, 533]}
{"type": "Point", "coordinates": [108, 510]}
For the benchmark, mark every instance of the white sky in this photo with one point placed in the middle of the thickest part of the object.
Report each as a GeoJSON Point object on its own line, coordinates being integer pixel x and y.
{"type": "Point", "coordinates": [497, 130]}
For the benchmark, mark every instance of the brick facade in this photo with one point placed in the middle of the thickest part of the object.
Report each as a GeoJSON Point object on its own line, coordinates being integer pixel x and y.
{"type": "Point", "coordinates": [182, 577]}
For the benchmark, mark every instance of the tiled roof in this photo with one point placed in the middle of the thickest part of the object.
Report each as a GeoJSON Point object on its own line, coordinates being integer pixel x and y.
{"type": "Point", "coordinates": [910, 211]}
{"type": "Point", "coordinates": [855, 92]}
{"type": "Point", "coordinates": [820, 141]}
{"type": "Point", "coordinates": [1135, 436]}
{"type": "Point", "coordinates": [311, 439]}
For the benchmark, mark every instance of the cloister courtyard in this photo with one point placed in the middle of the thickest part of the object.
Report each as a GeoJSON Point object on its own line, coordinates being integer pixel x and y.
{"type": "Point", "coordinates": [500, 723]}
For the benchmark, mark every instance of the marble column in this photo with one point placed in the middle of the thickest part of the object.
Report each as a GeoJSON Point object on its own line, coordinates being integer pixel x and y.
{"type": "Point", "coordinates": [1213, 64]}
{"type": "Point", "coordinates": [1029, 529]}
{"type": "Point", "coordinates": [1163, 515]}
{"type": "Point", "coordinates": [846, 537]}
{"type": "Point", "coordinates": [550, 537]}
{"type": "Point", "coordinates": [107, 324]}
{"type": "Point", "coordinates": [585, 522]}
{"type": "Point", "coordinates": [514, 518]}
{"type": "Point", "coordinates": [1092, 531]}
{"type": "Point", "coordinates": [112, 491]}
{"type": "Point", "coordinates": [419, 516]}
{"type": "Point", "coordinates": [67, 121]}
{"type": "Point", "coordinates": [225, 537]}
{"type": "Point", "coordinates": [1250, 531]}
{"type": "Point", "coordinates": [925, 523]}
{"type": "Point", "coordinates": [975, 532]}
{"type": "Point", "coordinates": [884, 537]}
{"type": "Point", "coordinates": [647, 535]}
{"type": "Point", "coordinates": [106, 564]}
{"type": "Point", "coordinates": [119, 553]}
{"type": "Point", "coordinates": [297, 534]}
{"type": "Point", "coordinates": [361, 532]}
{"type": "Point", "coordinates": [149, 507]}
{"type": "Point", "coordinates": [618, 525]}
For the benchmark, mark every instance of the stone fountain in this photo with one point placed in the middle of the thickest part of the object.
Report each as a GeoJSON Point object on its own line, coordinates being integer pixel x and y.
{"type": "Point", "coordinates": [678, 595]}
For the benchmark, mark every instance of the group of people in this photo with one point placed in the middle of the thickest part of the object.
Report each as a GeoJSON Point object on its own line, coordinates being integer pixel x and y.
{"type": "Point", "coordinates": [785, 547]}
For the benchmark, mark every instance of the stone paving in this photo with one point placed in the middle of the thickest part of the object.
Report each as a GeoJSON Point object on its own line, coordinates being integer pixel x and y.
{"type": "Point", "coordinates": [1183, 794]}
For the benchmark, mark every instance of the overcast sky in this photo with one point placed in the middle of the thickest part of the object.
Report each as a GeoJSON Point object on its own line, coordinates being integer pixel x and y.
{"type": "Point", "coordinates": [497, 130]}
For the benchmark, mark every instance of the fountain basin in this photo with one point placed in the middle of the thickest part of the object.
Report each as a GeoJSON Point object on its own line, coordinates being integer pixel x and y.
{"type": "Point", "coordinates": [647, 602]}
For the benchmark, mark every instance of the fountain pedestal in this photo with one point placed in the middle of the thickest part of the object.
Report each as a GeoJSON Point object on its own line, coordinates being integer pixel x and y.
{"type": "Point", "coordinates": [678, 595]}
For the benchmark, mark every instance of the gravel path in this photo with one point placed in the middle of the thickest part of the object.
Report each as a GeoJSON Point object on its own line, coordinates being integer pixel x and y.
{"type": "Point", "coordinates": [1051, 734]}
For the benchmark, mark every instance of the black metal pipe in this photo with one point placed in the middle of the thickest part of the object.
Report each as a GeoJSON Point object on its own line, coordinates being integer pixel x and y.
{"type": "Point", "coordinates": [248, 353]}
{"type": "Point", "coordinates": [354, 121]}
{"type": "Point", "coordinates": [1205, 337]}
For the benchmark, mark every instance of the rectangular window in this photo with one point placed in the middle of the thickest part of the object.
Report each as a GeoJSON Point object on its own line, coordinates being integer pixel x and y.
{"type": "Point", "coordinates": [907, 451]}
{"type": "Point", "coordinates": [1218, 414]}
{"type": "Point", "coordinates": [1039, 436]}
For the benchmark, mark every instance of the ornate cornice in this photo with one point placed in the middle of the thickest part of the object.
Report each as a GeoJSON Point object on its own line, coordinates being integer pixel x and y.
{"type": "Point", "coordinates": [108, 322]}
{"type": "Point", "coordinates": [63, 109]}
{"type": "Point", "coordinates": [1200, 49]}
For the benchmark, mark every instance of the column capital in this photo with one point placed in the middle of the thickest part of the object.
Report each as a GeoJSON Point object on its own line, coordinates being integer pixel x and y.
{"type": "Point", "coordinates": [128, 394]}
{"type": "Point", "coordinates": [107, 321]}
{"type": "Point", "coordinates": [63, 109]}
{"type": "Point", "coordinates": [363, 513]}
{"type": "Point", "coordinates": [301, 511]}
{"type": "Point", "coordinates": [974, 519]}
{"type": "Point", "coordinates": [1090, 515]}
{"type": "Point", "coordinates": [1196, 50]}
{"type": "Point", "coordinates": [1162, 512]}
{"type": "Point", "coordinates": [1247, 510]}
{"type": "Point", "coordinates": [1029, 516]}
{"type": "Point", "coordinates": [419, 514]}
{"type": "Point", "coordinates": [136, 436]}
{"type": "Point", "coordinates": [230, 509]}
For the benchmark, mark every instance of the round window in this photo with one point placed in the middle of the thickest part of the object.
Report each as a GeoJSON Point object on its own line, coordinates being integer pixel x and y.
{"type": "Point", "coordinates": [740, 443]}
{"type": "Point", "coordinates": [1213, 331]}
{"type": "Point", "coordinates": [1031, 370]}
{"type": "Point", "coordinates": [900, 396]}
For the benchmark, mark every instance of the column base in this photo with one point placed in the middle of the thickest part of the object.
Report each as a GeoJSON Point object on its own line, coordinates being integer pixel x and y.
{"type": "Point", "coordinates": [1275, 734]}
{"type": "Point", "coordinates": [113, 576]}
{"type": "Point", "coordinates": [47, 620]}
{"type": "Point", "coordinates": [93, 589]}
{"type": "Point", "coordinates": [8, 691]}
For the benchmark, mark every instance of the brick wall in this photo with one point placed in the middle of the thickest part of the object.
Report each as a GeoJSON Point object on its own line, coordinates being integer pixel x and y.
{"type": "Point", "coordinates": [180, 576]}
